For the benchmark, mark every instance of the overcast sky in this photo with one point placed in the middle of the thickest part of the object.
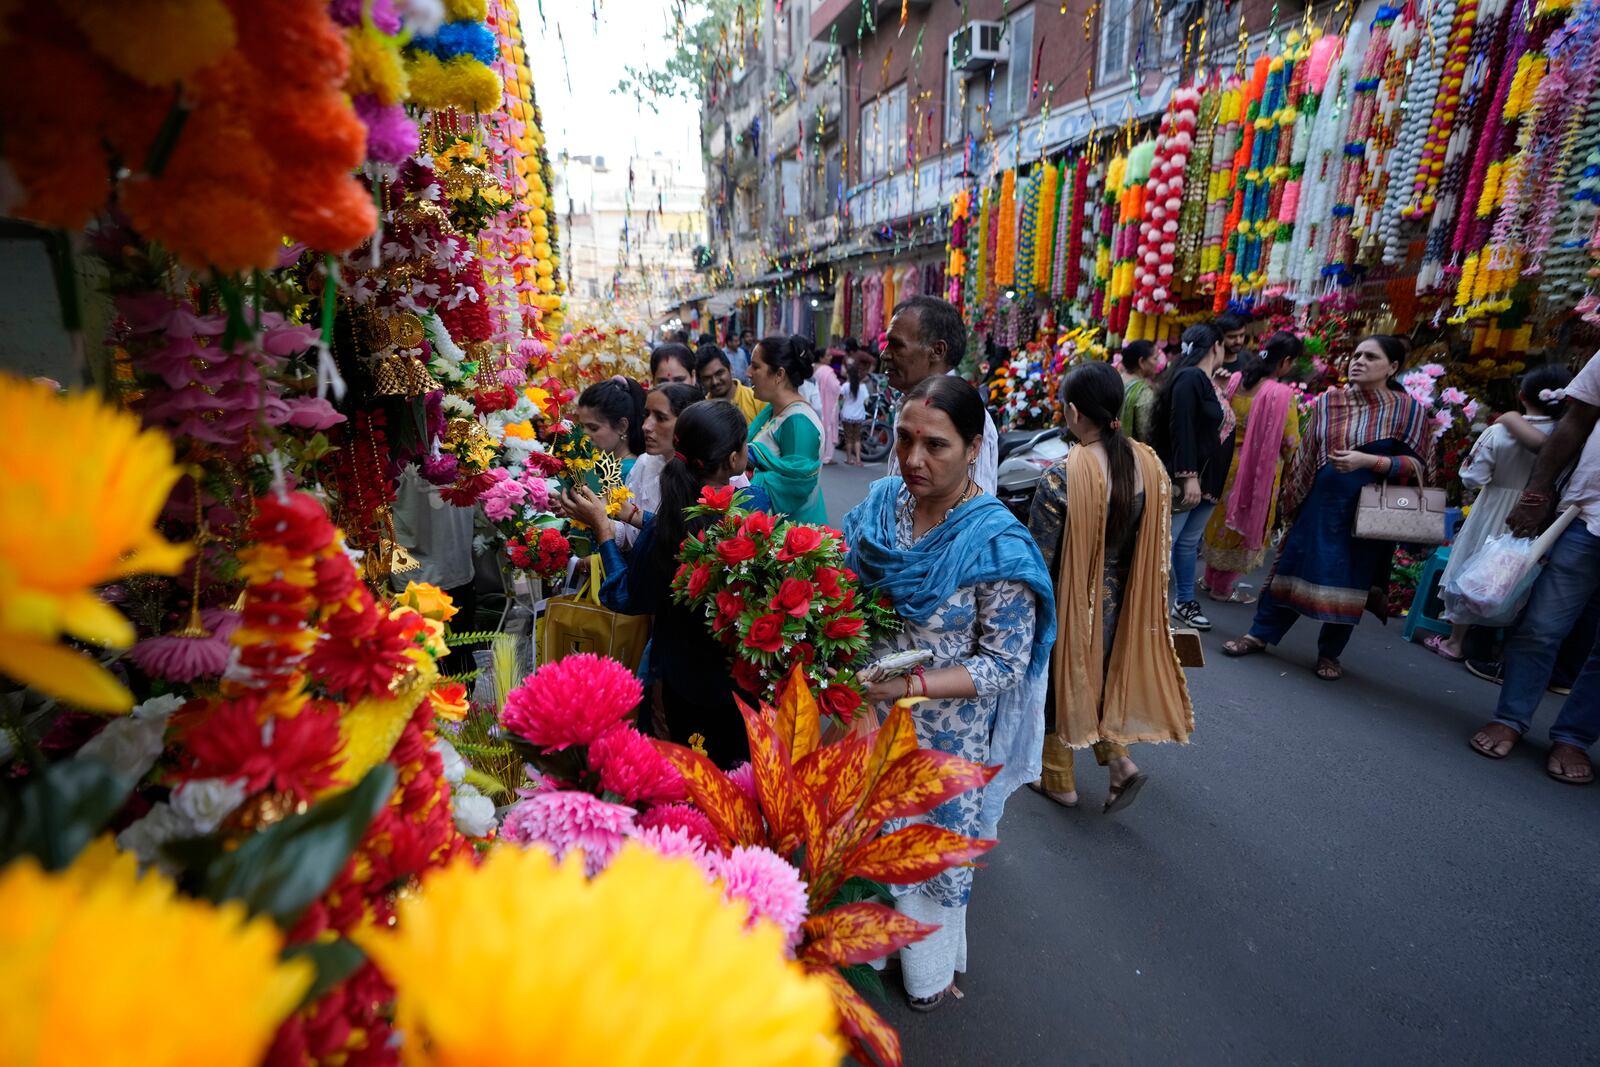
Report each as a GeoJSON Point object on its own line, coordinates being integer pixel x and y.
{"type": "Point", "coordinates": [575, 85]}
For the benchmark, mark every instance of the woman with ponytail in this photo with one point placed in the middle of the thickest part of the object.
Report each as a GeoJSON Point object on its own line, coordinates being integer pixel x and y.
{"type": "Point", "coordinates": [612, 414]}
{"type": "Point", "coordinates": [1235, 540]}
{"type": "Point", "coordinates": [694, 688]}
{"type": "Point", "coordinates": [1101, 518]}
{"type": "Point", "coordinates": [786, 438]}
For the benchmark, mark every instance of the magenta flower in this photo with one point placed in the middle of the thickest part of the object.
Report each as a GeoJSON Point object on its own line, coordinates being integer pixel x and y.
{"type": "Point", "coordinates": [630, 767]}
{"type": "Point", "coordinates": [744, 776]}
{"type": "Point", "coordinates": [564, 821]}
{"type": "Point", "coordinates": [682, 817]}
{"type": "Point", "coordinates": [572, 701]}
{"type": "Point", "coordinates": [312, 413]}
{"type": "Point", "coordinates": [673, 841]}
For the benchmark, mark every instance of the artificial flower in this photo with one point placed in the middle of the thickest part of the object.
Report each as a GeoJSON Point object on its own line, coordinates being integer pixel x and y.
{"type": "Point", "coordinates": [72, 518]}
{"type": "Point", "coordinates": [798, 541]}
{"type": "Point", "coordinates": [450, 701]}
{"type": "Point", "coordinates": [793, 598]}
{"type": "Point", "coordinates": [461, 82]}
{"type": "Point", "coordinates": [205, 802]}
{"type": "Point", "coordinates": [643, 941]}
{"type": "Point", "coordinates": [672, 842]}
{"type": "Point", "coordinates": [129, 745]}
{"type": "Point", "coordinates": [429, 601]}
{"type": "Point", "coordinates": [736, 550]}
{"type": "Point", "coordinates": [472, 811]}
{"type": "Point", "coordinates": [718, 497]}
{"type": "Point", "coordinates": [563, 821]}
{"type": "Point", "coordinates": [244, 739]}
{"type": "Point", "coordinates": [766, 633]}
{"type": "Point", "coordinates": [744, 776]}
{"type": "Point", "coordinates": [763, 880]}
{"type": "Point", "coordinates": [157, 42]}
{"type": "Point", "coordinates": [683, 817]}
{"type": "Point", "coordinates": [572, 701]}
{"type": "Point", "coordinates": [630, 767]}
{"type": "Point", "coordinates": [98, 933]}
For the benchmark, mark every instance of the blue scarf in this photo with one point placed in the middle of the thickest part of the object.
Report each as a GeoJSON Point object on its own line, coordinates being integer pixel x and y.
{"type": "Point", "coordinates": [980, 541]}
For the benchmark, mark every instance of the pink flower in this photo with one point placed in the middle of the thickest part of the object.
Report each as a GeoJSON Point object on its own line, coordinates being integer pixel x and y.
{"type": "Point", "coordinates": [572, 701]}
{"type": "Point", "coordinates": [630, 767]}
{"type": "Point", "coordinates": [312, 413]}
{"type": "Point", "coordinates": [175, 658]}
{"type": "Point", "coordinates": [537, 488]}
{"type": "Point", "coordinates": [769, 885]}
{"type": "Point", "coordinates": [501, 499]}
{"type": "Point", "coordinates": [1433, 370]}
{"type": "Point", "coordinates": [682, 817]}
{"type": "Point", "coordinates": [564, 821]}
{"type": "Point", "coordinates": [1453, 396]}
{"type": "Point", "coordinates": [744, 776]}
{"type": "Point", "coordinates": [674, 841]}
{"type": "Point", "coordinates": [1470, 411]}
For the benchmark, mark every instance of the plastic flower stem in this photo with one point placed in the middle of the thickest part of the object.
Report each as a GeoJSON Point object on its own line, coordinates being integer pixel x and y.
{"type": "Point", "coordinates": [166, 138]}
{"type": "Point", "coordinates": [237, 328]}
{"type": "Point", "coordinates": [330, 295]}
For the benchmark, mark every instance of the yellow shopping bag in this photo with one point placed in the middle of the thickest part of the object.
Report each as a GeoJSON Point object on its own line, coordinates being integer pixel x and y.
{"type": "Point", "coordinates": [576, 623]}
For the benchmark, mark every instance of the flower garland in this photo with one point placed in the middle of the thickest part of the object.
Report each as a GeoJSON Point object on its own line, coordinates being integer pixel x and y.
{"type": "Point", "coordinates": [1046, 200]}
{"type": "Point", "coordinates": [1219, 186]}
{"type": "Point", "coordinates": [1157, 250]}
{"type": "Point", "coordinates": [1250, 111]}
{"type": "Point", "coordinates": [1027, 231]}
{"type": "Point", "coordinates": [1005, 267]}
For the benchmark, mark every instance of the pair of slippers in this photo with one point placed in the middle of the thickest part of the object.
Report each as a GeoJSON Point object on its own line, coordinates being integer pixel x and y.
{"type": "Point", "coordinates": [1117, 797]}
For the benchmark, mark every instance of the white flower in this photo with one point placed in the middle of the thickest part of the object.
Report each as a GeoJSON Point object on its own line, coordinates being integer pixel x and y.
{"type": "Point", "coordinates": [145, 837]}
{"type": "Point", "coordinates": [205, 802]}
{"type": "Point", "coordinates": [159, 707]}
{"type": "Point", "coordinates": [474, 812]}
{"type": "Point", "coordinates": [127, 745]}
{"type": "Point", "coordinates": [455, 768]}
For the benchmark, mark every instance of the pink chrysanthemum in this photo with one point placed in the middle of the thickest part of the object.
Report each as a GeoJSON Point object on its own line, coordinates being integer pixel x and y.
{"type": "Point", "coordinates": [673, 841]}
{"type": "Point", "coordinates": [565, 821]}
{"type": "Point", "coordinates": [682, 817]}
{"type": "Point", "coordinates": [572, 701]}
{"type": "Point", "coordinates": [630, 767]}
{"type": "Point", "coordinates": [769, 885]}
{"type": "Point", "coordinates": [744, 776]}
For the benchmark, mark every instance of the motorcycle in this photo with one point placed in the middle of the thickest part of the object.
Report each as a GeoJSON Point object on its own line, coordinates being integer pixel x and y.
{"type": "Point", "coordinates": [1024, 457]}
{"type": "Point", "coordinates": [877, 437]}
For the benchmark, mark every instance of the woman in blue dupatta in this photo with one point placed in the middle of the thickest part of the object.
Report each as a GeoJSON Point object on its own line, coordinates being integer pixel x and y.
{"type": "Point", "coordinates": [1366, 432]}
{"type": "Point", "coordinates": [786, 438]}
{"type": "Point", "coordinates": [969, 584]}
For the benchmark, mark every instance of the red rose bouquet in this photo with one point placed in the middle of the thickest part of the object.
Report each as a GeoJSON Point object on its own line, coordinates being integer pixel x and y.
{"type": "Point", "coordinates": [542, 553]}
{"type": "Point", "coordinates": [778, 593]}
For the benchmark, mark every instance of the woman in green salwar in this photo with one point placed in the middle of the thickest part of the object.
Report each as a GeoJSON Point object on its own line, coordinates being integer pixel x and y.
{"type": "Point", "coordinates": [786, 438]}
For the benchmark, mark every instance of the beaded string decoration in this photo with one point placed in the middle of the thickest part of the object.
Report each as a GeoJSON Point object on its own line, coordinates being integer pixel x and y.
{"type": "Point", "coordinates": [1471, 229]}
{"type": "Point", "coordinates": [1311, 79]}
{"type": "Point", "coordinates": [1027, 232]}
{"type": "Point", "coordinates": [1219, 191]}
{"type": "Point", "coordinates": [1158, 235]}
{"type": "Point", "coordinates": [1261, 176]}
{"type": "Point", "coordinates": [1447, 99]}
{"type": "Point", "coordinates": [1367, 223]}
{"type": "Point", "coordinates": [1422, 88]}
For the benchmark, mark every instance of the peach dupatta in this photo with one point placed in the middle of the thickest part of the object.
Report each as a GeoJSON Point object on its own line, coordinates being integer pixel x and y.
{"type": "Point", "coordinates": [1141, 696]}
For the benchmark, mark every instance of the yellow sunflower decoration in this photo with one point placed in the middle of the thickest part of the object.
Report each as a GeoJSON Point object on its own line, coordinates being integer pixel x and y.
{"type": "Point", "coordinates": [519, 960]}
{"type": "Point", "coordinates": [80, 488]}
{"type": "Point", "coordinates": [99, 965]}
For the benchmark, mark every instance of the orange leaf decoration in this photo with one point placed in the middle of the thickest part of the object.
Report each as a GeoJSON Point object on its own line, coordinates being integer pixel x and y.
{"type": "Point", "coordinates": [774, 778]}
{"type": "Point", "coordinates": [734, 815]}
{"type": "Point", "coordinates": [913, 854]}
{"type": "Point", "coordinates": [864, 1027]}
{"type": "Point", "coordinates": [859, 933]}
{"type": "Point", "coordinates": [799, 721]}
{"type": "Point", "coordinates": [920, 781]}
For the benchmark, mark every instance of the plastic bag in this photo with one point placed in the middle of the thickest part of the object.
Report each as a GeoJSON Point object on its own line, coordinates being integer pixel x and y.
{"type": "Point", "coordinates": [1491, 588]}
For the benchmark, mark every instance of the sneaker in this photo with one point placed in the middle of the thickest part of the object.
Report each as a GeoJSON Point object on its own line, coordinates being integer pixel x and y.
{"type": "Point", "coordinates": [1189, 614]}
{"type": "Point", "coordinates": [1560, 690]}
{"type": "Point", "coordinates": [1488, 669]}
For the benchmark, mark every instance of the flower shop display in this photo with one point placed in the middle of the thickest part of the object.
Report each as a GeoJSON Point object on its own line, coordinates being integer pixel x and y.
{"type": "Point", "coordinates": [778, 593]}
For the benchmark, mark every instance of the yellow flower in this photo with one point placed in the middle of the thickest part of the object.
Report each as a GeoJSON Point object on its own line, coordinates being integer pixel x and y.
{"type": "Point", "coordinates": [523, 961]}
{"type": "Point", "coordinates": [99, 965]}
{"type": "Point", "coordinates": [429, 601]}
{"type": "Point", "coordinates": [80, 488]}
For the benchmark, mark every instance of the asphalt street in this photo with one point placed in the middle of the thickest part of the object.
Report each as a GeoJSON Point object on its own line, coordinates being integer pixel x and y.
{"type": "Point", "coordinates": [1326, 874]}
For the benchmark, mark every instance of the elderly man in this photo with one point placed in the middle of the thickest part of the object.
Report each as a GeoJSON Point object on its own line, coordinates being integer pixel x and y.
{"type": "Point", "coordinates": [715, 375]}
{"type": "Point", "coordinates": [927, 337]}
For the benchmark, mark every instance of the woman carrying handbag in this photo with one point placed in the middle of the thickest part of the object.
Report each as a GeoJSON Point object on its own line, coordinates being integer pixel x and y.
{"type": "Point", "coordinates": [1366, 433]}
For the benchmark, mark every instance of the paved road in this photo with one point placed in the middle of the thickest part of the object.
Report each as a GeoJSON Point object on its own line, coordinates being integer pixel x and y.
{"type": "Point", "coordinates": [1325, 875]}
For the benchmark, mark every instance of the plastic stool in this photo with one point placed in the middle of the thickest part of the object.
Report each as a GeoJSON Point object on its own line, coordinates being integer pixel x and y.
{"type": "Point", "coordinates": [1417, 617]}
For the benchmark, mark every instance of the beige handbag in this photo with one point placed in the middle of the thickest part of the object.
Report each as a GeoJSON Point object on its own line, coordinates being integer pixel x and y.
{"type": "Point", "coordinates": [1406, 513]}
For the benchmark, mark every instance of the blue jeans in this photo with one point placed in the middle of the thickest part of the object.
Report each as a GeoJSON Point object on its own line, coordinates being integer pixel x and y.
{"type": "Point", "coordinates": [1187, 526]}
{"type": "Point", "coordinates": [1569, 585]}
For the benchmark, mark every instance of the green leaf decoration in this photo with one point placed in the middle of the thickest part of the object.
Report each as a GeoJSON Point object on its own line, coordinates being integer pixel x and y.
{"type": "Point", "coordinates": [54, 814]}
{"type": "Point", "coordinates": [279, 871]}
{"type": "Point", "coordinates": [334, 960]}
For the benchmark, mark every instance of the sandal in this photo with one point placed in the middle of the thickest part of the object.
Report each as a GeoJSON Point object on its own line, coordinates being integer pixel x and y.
{"type": "Point", "coordinates": [1236, 596]}
{"type": "Point", "coordinates": [1120, 796]}
{"type": "Point", "coordinates": [1487, 741]}
{"type": "Point", "coordinates": [927, 1004]}
{"type": "Point", "coordinates": [1038, 787]}
{"type": "Point", "coordinates": [1329, 670]}
{"type": "Point", "coordinates": [1435, 643]}
{"type": "Point", "coordinates": [1243, 646]}
{"type": "Point", "coordinates": [1569, 764]}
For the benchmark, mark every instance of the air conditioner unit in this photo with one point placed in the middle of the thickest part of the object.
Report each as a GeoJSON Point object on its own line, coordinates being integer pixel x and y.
{"type": "Point", "coordinates": [978, 45]}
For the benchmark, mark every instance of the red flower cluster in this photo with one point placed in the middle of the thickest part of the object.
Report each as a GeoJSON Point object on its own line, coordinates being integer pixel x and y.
{"type": "Point", "coordinates": [777, 593]}
{"type": "Point", "coordinates": [543, 553]}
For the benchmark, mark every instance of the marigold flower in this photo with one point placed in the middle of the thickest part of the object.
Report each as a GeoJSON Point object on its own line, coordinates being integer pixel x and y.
{"type": "Point", "coordinates": [72, 518]}
{"type": "Point", "coordinates": [98, 933]}
{"type": "Point", "coordinates": [643, 941]}
{"type": "Point", "coordinates": [572, 701]}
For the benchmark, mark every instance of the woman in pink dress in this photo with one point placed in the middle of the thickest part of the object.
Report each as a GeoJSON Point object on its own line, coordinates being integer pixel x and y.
{"type": "Point", "coordinates": [828, 388]}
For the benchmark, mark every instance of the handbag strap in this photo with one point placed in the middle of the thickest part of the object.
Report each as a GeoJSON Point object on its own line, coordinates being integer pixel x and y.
{"type": "Point", "coordinates": [591, 585]}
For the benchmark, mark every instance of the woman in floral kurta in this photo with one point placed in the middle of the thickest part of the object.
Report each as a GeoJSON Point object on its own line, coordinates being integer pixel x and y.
{"type": "Point", "coordinates": [970, 586]}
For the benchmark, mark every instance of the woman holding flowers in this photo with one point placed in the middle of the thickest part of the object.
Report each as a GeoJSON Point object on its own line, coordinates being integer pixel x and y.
{"type": "Point", "coordinates": [694, 686]}
{"type": "Point", "coordinates": [786, 438]}
{"type": "Point", "coordinates": [662, 406]}
{"type": "Point", "coordinates": [612, 414]}
{"type": "Point", "coordinates": [1101, 519]}
{"type": "Point", "coordinates": [1235, 540]}
{"type": "Point", "coordinates": [970, 587]}
{"type": "Point", "coordinates": [1367, 431]}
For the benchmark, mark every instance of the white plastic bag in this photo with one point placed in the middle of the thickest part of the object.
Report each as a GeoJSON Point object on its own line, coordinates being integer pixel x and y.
{"type": "Point", "coordinates": [1493, 586]}
{"type": "Point", "coordinates": [1489, 590]}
